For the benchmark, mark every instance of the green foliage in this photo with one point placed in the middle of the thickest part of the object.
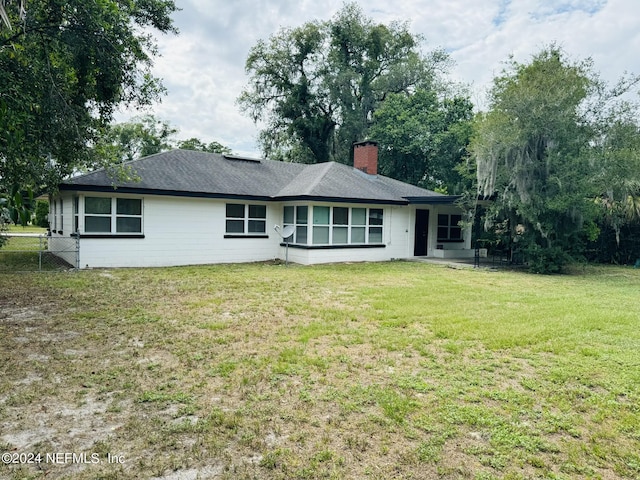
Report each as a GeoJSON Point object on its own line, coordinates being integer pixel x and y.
{"type": "Point", "coordinates": [143, 136]}
{"type": "Point", "coordinates": [423, 138]}
{"type": "Point", "coordinates": [317, 86]}
{"type": "Point", "coordinates": [137, 138]}
{"type": "Point", "coordinates": [64, 70]}
{"type": "Point", "coordinates": [17, 206]}
{"type": "Point", "coordinates": [41, 218]}
{"type": "Point", "coordinates": [198, 145]}
{"type": "Point", "coordinates": [544, 151]}
{"type": "Point", "coordinates": [546, 260]}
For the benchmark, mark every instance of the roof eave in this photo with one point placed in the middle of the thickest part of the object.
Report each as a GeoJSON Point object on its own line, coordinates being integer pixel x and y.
{"type": "Point", "coordinates": [152, 191]}
{"type": "Point", "coordinates": [434, 200]}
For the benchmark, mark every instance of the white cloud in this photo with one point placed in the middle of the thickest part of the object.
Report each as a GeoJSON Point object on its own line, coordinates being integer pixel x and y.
{"type": "Point", "coordinates": [203, 66]}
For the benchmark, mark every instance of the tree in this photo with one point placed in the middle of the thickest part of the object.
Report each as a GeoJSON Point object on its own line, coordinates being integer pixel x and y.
{"type": "Point", "coordinates": [423, 137]}
{"type": "Point", "coordinates": [535, 154]}
{"type": "Point", "coordinates": [143, 136]}
{"type": "Point", "coordinates": [136, 138]}
{"type": "Point", "coordinates": [618, 170]}
{"type": "Point", "coordinates": [64, 69]}
{"type": "Point", "coordinates": [318, 86]}
{"type": "Point", "coordinates": [198, 145]}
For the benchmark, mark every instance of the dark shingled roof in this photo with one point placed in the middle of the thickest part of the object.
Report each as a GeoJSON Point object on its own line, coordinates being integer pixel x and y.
{"type": "Point", "coordinates": [191, 173]}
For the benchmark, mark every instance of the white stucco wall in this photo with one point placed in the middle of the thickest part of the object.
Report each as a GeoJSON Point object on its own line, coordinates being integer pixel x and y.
{"type": "Point", "coordinates": [190, 231]}
{"type": "Point", "coordinates": [181, 231]}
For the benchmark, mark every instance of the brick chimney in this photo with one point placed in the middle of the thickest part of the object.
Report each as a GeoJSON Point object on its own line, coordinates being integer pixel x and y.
{"type": "Point", "coordinates": [365, 156]}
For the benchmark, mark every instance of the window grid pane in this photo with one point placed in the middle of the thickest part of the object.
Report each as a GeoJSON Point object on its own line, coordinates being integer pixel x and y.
{"type": "Point", "coordinates": [302, 213]}
{"type": "Point", "coordinates": [129, 225]}
{"type": "Point", "coordinates": [358, 216]}
{"type": "Point", "coordinates": [320, 235]}
{"type": "Point", "coordinates": [97, 205]}
{"type": "Point", "coordinates": [128, 206]}
{"type": "Point", "coordinates": [257, 211]}
{"type": "Point", "coordinates": [97, 224]}
{"type": "Point", "coordinates": [375, 216]}
{"type": "Point", "coordinates": [235, 226]}
{"type": "Point", "coordinates": [375, 234]}
{"type": "Point", "coordinates": [301, 234]}
{"type": "Point", "coordinates": [257, 226]}
{"type": "Point", "coordinates": [340, 216]}
{"type": "Point", "coordinates": [321, 215]}
{"type": "Point", "coordinates": [235, 210]}
{"type": "Point", "coordinates": [288, 215]}
{"type": "Point", "coordinates": [340, 235]}
{"type": "Point", "coordinates": [357, 234]}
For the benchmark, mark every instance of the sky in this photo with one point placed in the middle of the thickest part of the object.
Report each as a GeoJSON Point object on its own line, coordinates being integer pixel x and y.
{"type": "Point", "coordinates": [202, 67]}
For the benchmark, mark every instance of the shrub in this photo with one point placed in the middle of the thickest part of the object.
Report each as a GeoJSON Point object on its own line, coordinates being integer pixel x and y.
{"type": "Point", "coordinates": [546, 260]}
{"type": "Point", "coordinates": [42, 214]}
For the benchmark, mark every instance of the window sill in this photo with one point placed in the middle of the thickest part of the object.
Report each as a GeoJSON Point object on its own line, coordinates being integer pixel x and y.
{"type": "Point", "coordinates": [246, 236]}
{"type": "Point", "coordinates": [110, 235]}
{"type": "Point", "coordinates": [334, 247]}
{"type": "Point", "coordinates": [451, 241]}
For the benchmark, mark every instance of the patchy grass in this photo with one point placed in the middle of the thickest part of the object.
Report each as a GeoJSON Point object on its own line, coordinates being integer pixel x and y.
{"type": "Point", "coordinates": [389, 370]}
{"type": "Point", "coordinates": [26, 229]}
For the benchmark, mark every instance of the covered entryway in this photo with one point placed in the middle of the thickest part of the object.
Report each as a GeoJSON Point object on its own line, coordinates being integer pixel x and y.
{"type": "Point", "coordinates": [422, 233]}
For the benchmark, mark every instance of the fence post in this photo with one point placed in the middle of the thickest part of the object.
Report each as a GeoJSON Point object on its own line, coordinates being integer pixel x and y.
{"type": "Point", "coordinates": [77, 252]}
{"type": "Point", "coordinates": [40, 254]}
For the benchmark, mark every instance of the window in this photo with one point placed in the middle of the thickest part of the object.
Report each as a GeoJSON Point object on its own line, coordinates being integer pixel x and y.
{"type": "Point", "coordinates": [97, 215]}
{"type": "Point", "coordinates": [358, 225]}
{"type": "Point", "coordinates": [321, 225]}
{"type": "Point", "coordinates": [340, 231]}
{"type": "Point", "coordinates": [257, 218]}
{"type": "Point", "coordinates": [375, 225]}
{"type": "Point", "coordinates": [335, 225]}
{"type": "Point", "coordinates": [128, 215]}
{"type": "Point", "coordinates": [54, 216]}
{"type": "Point", "coordinates": [76, 212]}
{"type": "Point", "coordinates": [297, 216]}
{"type": "Point", "coordinates": [449, 229]}
{"type": "Point", "coordinates": [244, 219]}
{"type": "Point", "coordinates": [112, 215]}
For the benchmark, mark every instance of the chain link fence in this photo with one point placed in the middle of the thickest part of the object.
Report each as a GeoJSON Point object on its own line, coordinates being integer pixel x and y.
{"type": "Point", "coordinates": [33, 252]}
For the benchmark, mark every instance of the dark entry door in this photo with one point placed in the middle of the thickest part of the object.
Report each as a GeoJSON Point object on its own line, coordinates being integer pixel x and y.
{"type": "Point", "coordinates": [422, 228]}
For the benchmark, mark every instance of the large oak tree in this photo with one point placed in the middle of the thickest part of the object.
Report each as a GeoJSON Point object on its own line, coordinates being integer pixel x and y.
{"type": "Point", "coordinates": [316, 87]}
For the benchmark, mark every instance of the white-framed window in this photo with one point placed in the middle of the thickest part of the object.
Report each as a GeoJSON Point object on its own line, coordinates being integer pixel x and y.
{"type": "Point", "coordinates": [337, 225]}
{"type": "Point", "coordinates": [321, 225]}
{"type": "Point", "coordinates": [76, 214]}
{"type": "Point", "coordinates": [54, 215]}
{"type": "Point", "coordinates": [375, 224]}
{"type": "Point", "coordinates": [449, 229]}
{"type": "Point", "coordinates": [297, 216]}
{"type": "Point", "coordinates": [112, 215]}
{"type": "Point", "coordinates": [245, 219]}
{"type": "Point", "coordinates": [340, 226]}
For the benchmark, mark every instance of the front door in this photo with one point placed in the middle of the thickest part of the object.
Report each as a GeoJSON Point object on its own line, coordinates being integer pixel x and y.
{"type": "Point", "coordinates": [422, 229]}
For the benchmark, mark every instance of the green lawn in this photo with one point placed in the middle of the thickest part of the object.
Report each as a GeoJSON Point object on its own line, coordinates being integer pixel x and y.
{"type": "Point", "coordinates": [28, 229]}
{"type": "Point", "coordinates": [388, 370]}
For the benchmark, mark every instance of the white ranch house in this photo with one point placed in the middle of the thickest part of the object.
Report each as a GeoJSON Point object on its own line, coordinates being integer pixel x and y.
{"type": "Point", "coordinates": [200, 208]}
